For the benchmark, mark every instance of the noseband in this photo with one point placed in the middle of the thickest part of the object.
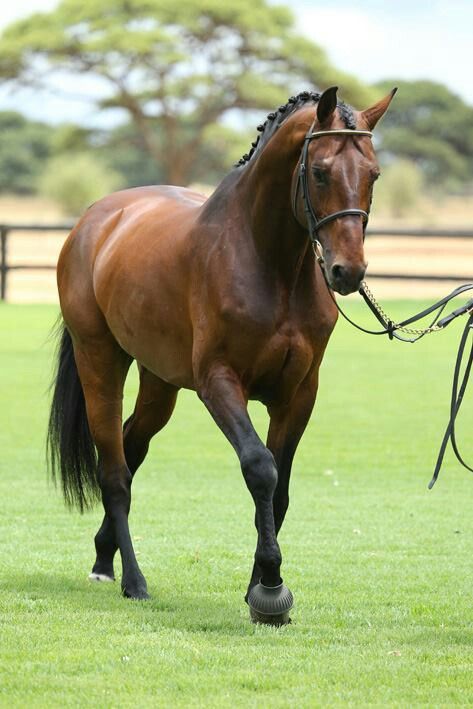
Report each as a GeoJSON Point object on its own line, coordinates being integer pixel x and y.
{"type": "Point", "coordinates": [313, 223]}
{"type": "Point", "coordinates": [390, 327]}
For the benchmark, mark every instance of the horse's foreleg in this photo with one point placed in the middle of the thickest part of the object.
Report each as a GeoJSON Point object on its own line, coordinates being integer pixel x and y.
{"type": "Point", "coordinates": [153, 409]}
{"type": "Point", "coordinates": [287, 424]}
{"type": "Point", "coordinates": [222, 393]}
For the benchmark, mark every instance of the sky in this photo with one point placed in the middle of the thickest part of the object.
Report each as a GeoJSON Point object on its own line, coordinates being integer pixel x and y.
{"type": "Point", "coordinates": [371, 39]}
{"type": "Point", "coordinates": [406, 39]}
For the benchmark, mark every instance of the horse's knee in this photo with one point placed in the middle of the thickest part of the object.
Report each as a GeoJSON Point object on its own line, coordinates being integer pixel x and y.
{"type": "Point", "coordinates": [259, 470]}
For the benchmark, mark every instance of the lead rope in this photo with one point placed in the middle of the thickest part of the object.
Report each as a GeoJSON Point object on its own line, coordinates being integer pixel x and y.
{"type": "Point", "coordinates": [455, 403]}
{"type": "Point", "coordinates": [390, 327]}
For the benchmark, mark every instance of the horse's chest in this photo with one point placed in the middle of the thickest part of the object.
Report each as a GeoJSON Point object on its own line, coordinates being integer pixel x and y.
{"type": "Point", "coordinates": [270, 327]}
{"type": "Point", "coordinates": [271, 340]}
{"type": "Point", "coordinates": [279, 364]}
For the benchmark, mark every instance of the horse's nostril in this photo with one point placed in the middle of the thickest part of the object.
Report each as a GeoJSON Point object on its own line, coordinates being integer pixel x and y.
{"type": "Point", "coordinates": [338, 271]}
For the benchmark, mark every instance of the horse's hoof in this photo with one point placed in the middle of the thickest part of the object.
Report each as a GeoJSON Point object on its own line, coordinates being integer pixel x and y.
{"type": "Point", "coordinates": [270, 604]}
{"type": "Point", "coordinates": [136, 593]}
{"type": "Point", "coordinates": [140, 595]}
{"type": "Point", "coordinates": [94, 576]}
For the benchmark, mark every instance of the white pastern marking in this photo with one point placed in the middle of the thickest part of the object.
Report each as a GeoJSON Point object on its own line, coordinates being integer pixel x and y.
{"type": "Point", "coordinates": [100, 577]}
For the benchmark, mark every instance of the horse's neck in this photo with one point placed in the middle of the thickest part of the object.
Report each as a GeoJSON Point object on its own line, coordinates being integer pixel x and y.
{"type": "Point", "coordinates": [278, 237]}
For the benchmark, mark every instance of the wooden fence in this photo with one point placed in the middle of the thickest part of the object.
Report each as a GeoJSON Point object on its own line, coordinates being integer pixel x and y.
{"type": "Point", "coordinates": [5, 267]}
{"type": "Point", "coordinates": [7, 229]}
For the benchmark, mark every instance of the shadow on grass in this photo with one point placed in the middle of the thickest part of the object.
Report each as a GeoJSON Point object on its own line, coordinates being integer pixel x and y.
{"type": "Point", "coordinates": [184, 610]}
{"type": "Point", "coordinates": [194, 609]}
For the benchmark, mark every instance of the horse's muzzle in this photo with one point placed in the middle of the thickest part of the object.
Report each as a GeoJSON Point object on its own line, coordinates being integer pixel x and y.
{"type": "Point", "coordinates": [344, 277]}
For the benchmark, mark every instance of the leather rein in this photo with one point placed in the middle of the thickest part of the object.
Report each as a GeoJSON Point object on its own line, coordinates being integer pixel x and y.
{"type": "Point", "coordinates": [390, 327]}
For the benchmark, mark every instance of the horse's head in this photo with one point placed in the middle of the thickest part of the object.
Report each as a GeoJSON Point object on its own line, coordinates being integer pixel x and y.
{"type": "Point", "coordinates": [334, 187]}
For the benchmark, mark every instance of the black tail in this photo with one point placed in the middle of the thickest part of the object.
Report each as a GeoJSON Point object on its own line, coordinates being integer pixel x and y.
{"type": "Point", "coordinates": [70, 448]}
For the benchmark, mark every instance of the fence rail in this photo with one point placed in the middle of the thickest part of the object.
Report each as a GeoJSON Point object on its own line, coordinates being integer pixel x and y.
{"type": "Point", "coordinates": [7, 229]}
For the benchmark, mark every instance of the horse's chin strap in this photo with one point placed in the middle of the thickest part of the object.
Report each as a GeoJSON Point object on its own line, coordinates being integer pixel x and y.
{"type": "Point", "coordinates": [312, 222]}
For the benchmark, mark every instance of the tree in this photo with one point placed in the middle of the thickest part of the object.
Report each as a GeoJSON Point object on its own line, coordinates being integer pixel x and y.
{"type": "Point", "coordinates": [431, 126]}
{"type": "Point", "coordinates": [124, 150]}
{"type": "Point", "coordinates": [24, 146]}
{"type": "Point", "coordinates": [175, 68]}
{"type": "Point", "coordinates": [75, 181]}
{"type": "Point", "coordinates": [400, 189]}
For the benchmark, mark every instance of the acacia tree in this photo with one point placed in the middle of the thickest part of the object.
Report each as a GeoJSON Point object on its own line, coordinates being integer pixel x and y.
{"type": "Point", "coordinates": [177, 68]}
{"type": "Point", "coordinates": [24, 148]}
{"type": "Point", "coordinates": [431, 126]}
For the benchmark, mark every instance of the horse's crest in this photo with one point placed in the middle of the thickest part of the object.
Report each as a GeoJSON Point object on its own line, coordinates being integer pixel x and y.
{"type": "Point", "coordinates": [276, 118]}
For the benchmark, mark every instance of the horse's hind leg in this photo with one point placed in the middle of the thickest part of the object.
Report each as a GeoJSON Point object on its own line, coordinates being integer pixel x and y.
{"type": "Point", "coordinates": [153, 409]}
{"type": "Point", "coordinates": [102, 367]}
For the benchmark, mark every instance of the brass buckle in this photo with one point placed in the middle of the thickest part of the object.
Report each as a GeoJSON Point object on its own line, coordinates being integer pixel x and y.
{"type": "Point", "coordinates": [318, 251]}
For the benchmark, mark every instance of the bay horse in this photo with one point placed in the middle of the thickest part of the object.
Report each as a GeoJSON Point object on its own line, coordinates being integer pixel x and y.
{"type": "Point", "coordinates": [222, 296]}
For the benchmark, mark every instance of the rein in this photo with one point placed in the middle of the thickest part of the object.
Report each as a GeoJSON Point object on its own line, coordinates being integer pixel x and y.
{"type": "Point", "coordinates": [389, 327]}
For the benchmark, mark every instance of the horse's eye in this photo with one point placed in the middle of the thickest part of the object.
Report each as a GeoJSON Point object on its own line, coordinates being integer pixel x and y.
{"type": "Point", "coordinates": [320, 175]}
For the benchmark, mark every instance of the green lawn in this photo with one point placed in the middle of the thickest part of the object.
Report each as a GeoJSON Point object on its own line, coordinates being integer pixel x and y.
{"type": "Point", "coordinates": [381, 568]}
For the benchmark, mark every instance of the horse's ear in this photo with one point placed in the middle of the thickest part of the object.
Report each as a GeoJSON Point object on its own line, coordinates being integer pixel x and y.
{"type": "Point", "coordinates": [375, 112]}
{"type": "Point", "coordinates": [327, 104]}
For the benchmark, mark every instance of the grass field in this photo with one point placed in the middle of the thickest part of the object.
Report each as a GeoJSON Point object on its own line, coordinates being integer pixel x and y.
{"type": "Point", "coordinates": [381, 569]}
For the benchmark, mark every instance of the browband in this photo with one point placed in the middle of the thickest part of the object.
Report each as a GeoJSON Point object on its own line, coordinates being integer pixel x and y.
{"type": "Point", "coordinates": [339, 131]}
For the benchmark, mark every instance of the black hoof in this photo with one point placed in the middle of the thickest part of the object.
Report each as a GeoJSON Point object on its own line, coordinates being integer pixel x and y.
{"type": "Point", "coordinates": [270, 604]}
{"type": "Point", "coordinates": [136, 591]}
{"type": "Point", "coordinates": [136, 595]}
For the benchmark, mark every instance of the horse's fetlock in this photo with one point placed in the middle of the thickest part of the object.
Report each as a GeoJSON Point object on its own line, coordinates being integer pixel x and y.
{"type": "Point", "coordinates": [269, 559]}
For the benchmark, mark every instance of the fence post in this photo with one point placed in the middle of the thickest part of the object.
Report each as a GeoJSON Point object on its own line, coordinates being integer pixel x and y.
{"type": "Point", "coordinates": [3, 262]}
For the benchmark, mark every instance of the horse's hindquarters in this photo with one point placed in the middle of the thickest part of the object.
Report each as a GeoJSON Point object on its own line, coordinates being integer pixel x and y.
{"type": "Point", "coordinates": [127, 264]}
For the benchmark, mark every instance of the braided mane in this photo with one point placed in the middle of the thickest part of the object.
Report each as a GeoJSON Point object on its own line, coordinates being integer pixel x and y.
{"type": "Point", "coordinates": [276, 118]}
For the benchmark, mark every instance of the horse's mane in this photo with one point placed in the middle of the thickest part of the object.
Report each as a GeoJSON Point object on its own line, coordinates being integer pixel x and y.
{"type": "Point", "coordinates": [276, 118]}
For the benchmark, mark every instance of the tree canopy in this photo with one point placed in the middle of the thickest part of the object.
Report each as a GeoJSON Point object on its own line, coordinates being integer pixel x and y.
{"type": "Point", "coordinates": [432, 126]}
{"type": "Point", "coordinates": [177, 69]}
{"type": "Point", "coordinates": [24, 148]}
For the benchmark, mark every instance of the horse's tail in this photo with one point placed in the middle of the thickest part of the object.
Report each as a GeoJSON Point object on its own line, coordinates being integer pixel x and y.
{"type": "Point", "coordinates": [70, 447]}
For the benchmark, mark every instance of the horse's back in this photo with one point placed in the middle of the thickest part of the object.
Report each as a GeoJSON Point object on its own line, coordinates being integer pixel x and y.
{"type": "Point", "coordinates": [124, 224]}
{"type": "Point", "coordinates": [149, 198]}
{"type": "Point", "coordinates": [133, 205]}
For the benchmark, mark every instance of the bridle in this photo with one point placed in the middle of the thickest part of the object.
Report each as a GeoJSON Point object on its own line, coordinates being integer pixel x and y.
{"type": "Point", "coordinates": [302, 184]}
{"type": "Point", "coordinates": [389, 327]}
